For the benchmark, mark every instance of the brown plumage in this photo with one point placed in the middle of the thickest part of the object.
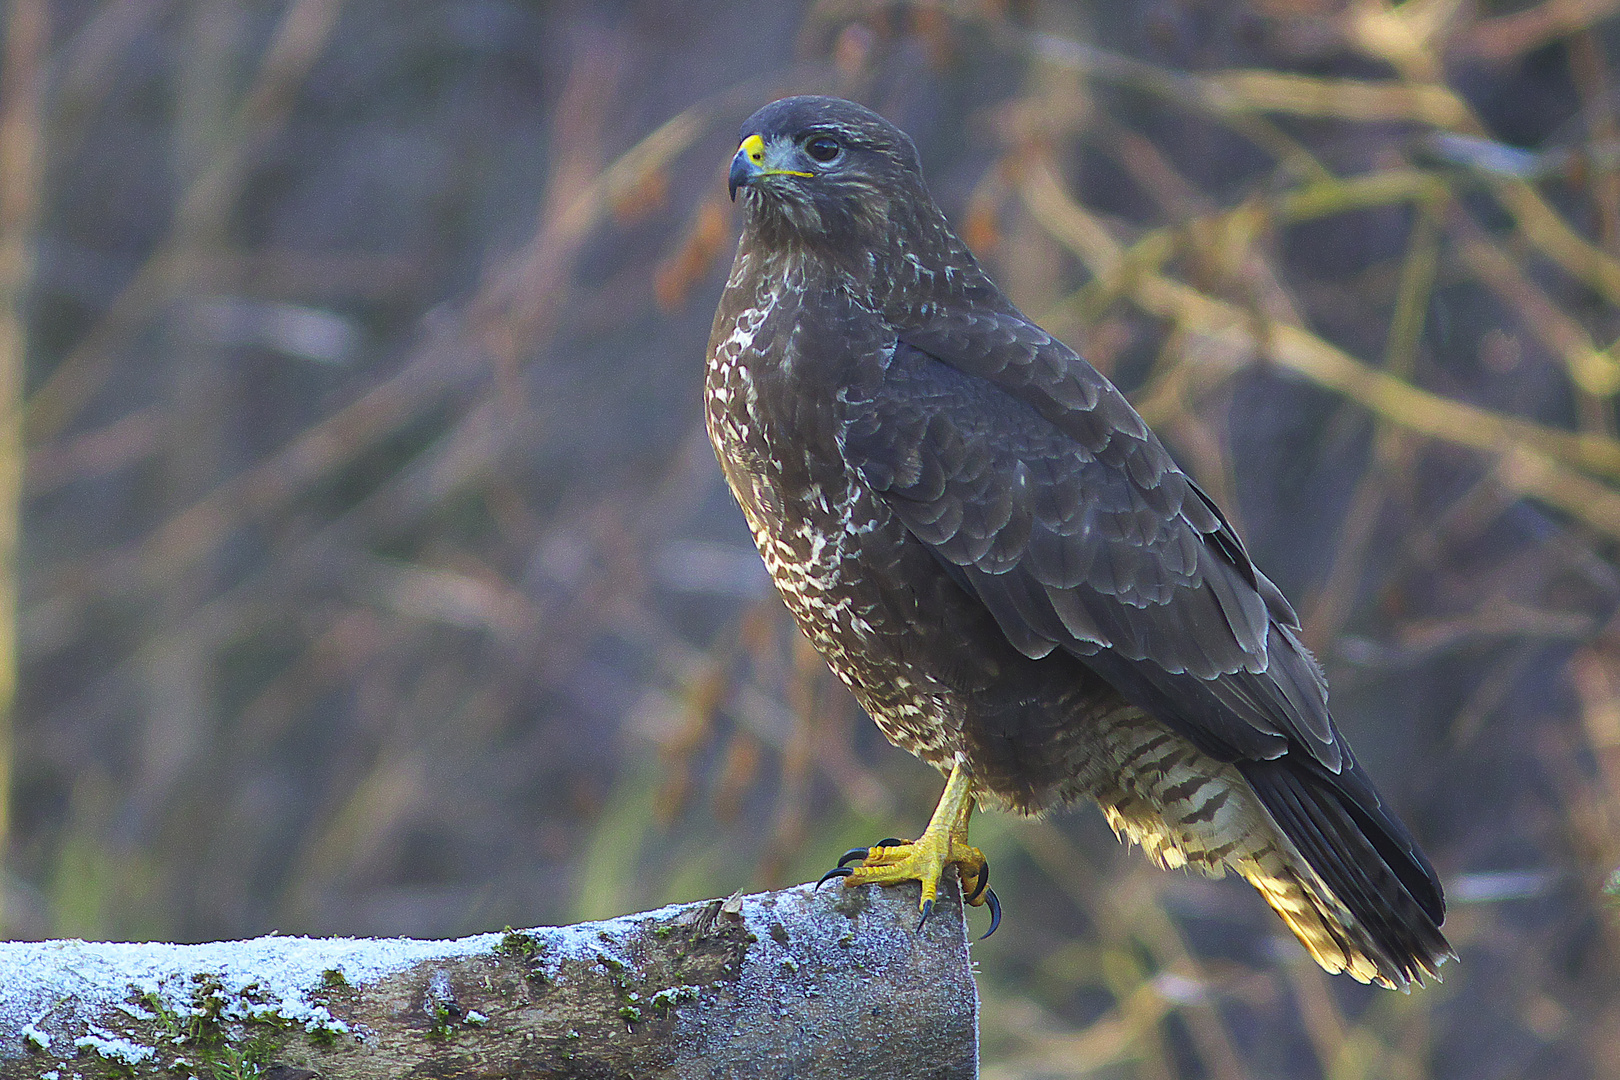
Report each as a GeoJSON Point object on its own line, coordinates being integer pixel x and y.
{"type": "Point", "coordinates": [1006, 566]}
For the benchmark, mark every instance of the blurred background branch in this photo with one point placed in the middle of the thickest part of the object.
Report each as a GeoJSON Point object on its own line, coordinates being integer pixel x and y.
{"type": "Point", "coordinates": [27, 35]}
{"type": "Point", "coordinates": [375, 576]}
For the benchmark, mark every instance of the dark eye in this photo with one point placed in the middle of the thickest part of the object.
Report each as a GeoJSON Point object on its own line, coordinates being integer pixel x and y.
{"type": "Point", "coordinates": [822, 148]}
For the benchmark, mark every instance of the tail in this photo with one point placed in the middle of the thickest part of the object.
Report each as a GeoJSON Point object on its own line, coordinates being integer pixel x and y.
{"type": "Point", "coordinates": [1355, 889]}
{"type": "Point", "coordinates": [1339, 869]}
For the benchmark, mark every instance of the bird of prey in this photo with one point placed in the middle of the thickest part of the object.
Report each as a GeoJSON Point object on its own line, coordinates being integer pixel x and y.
{"type": "Point", "coordinates": [994, 552]}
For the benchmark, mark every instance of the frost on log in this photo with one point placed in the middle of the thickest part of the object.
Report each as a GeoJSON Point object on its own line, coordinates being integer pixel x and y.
{"type": "Point", "coordinates": [794, 983]}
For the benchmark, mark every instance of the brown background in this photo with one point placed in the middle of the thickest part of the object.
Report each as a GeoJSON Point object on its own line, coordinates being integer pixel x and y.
{"type": "Point", "coordinates": [377, 578]}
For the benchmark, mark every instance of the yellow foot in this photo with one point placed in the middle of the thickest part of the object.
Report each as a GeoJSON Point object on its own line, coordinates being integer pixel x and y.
{"type": "Point", "coordinates": [943, 844]}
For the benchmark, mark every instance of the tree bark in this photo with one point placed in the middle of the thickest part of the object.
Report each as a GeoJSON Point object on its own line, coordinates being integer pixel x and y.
{"type": "Point", "coordinates": [802, 983]}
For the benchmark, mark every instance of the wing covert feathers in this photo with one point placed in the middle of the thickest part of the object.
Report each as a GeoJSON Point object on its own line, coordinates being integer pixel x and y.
{"type": "Point", "coordinates": [1086, 537]}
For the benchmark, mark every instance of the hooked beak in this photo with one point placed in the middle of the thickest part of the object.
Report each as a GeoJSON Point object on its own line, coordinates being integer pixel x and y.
{"type": "Point", "coordinates": [750, 164]}
{"type": "Point", "coordinates": [746, 165]}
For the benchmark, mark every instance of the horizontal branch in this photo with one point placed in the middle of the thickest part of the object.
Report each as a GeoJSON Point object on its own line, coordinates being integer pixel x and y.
{"type": "Point", "coordinates": [804, 983]}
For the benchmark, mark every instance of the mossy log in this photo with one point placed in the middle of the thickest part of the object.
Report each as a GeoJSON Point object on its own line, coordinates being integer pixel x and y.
{"type": "Point", "coordinates": [801, 983]}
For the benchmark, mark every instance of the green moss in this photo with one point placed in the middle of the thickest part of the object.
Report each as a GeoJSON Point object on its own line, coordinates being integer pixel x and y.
{"type": "Point", "coordinates": [445, 1022]}
{"type": "Point", "coordinates": [111, 1068]}
{"type": "Point", "coordinates": [527, 950]}
{"type": "Point", "coordinates": [216, 1048]}
{"type": "Point", "coordinates": [671, 996]}
{"type": "Point", "coordinates": [246, 1062]}
{"type": "Point", "coordinates": [519, 945]}
{"type": "Point", "coordinates": [442, 1023]}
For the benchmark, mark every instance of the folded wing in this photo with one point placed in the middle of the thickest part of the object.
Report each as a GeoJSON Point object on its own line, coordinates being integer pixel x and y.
{"type": "Point", "coordinates": [1045, 495]}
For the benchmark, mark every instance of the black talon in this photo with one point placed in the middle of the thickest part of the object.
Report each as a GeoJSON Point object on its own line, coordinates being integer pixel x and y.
{"type": "Point", "coordinates": [852, 854]}
{"type": "Point", "coordinates": [889, 841]}
{"type": "Point", "coordinates": [927, 910]}
{"type": "Point", "coordinates": [995, 913]}
{"type": "Point", "coordinates": [838, 871]}
{"type": "Point", "coordinates": [982, 881]}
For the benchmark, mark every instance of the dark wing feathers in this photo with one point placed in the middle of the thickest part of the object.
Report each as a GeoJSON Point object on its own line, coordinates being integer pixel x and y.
{"type": "Point", "coordinates": [1078, 532]}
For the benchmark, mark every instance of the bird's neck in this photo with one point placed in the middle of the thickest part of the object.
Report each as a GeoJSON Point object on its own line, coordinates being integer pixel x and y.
{"type": "Point", "coordinates": [900, 273]}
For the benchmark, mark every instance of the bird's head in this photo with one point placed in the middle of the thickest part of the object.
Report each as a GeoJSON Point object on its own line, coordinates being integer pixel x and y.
{"type": "Point", "coordinates": [823, 173]}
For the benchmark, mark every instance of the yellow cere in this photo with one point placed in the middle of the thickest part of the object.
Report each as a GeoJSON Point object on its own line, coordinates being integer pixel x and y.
{"type": "Point", "coordinates": [754, 147]}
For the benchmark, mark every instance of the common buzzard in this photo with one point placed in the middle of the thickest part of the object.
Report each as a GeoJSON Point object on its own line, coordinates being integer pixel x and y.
{"type": "Point", "coordinates": [1005, 565]}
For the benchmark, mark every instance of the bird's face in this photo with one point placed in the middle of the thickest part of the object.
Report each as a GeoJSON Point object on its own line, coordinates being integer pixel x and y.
{"type": "Point", "coordinates": [825, 173]}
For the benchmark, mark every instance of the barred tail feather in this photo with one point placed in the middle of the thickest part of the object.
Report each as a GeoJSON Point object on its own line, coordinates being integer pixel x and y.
{"type": "Point", "coordinates": [1338, 868]}
{"type": "Point", "coordinates": [1353, 889]}
{"type": "Point", "coordinates": [1320, 923]}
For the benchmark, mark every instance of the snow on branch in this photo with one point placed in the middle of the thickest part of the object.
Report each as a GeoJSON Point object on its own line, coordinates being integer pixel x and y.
{"type": "Point", "coordinates": [803, 983]}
